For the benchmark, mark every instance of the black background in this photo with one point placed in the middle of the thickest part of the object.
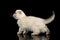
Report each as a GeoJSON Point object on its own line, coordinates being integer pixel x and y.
{"type": "Point", "coordinates": [37, 8]}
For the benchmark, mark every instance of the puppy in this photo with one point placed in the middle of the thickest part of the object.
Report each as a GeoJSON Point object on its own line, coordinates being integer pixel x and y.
{"type": "Point", "coordinates": [31, 23]}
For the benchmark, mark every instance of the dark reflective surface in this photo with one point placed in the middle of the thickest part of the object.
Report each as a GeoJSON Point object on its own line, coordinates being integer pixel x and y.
{"type": "Point", "coordinates": [27, 37]}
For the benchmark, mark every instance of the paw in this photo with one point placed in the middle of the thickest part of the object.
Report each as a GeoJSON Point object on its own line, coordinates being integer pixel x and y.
{"type": "Point", "coordinates": [18, 33]}
{"type": "Point", "coordinates": [24, 32]}
{"type": "Point", "coordinates": [47, 33]}
{"type": "Point", "coordinates": [34, 34]}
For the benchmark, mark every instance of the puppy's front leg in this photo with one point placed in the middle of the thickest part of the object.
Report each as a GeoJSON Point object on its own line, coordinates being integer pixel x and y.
{"type": "Point", "coordinates": [20, 31]}
{"type": "Point", "coordinates": [24, 32]}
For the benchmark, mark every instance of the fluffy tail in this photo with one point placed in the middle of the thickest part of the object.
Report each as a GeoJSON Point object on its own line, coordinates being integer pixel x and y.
{"type": "Point", "coordinates": [50, 19]}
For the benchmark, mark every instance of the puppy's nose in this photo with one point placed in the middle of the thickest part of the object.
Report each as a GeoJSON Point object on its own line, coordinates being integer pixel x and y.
{"type": "Point", "coordinates": [13, 15]}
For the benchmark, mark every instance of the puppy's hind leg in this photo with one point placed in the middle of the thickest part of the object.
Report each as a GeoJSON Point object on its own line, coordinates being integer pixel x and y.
{"type": "Point", "coordinates": [47, 30]}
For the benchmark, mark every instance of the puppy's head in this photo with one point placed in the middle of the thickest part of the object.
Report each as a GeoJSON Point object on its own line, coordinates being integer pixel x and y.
{"type": "Point", "coordinates": [18, 14]}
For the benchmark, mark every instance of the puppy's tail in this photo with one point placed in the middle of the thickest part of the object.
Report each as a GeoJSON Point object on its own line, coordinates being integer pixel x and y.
{"type": "Point", "coordinates": [50, 19]}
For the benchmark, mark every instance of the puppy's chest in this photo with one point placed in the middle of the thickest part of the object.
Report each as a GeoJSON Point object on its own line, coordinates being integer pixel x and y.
{"type": "Point", "coordinates": [22, 22]}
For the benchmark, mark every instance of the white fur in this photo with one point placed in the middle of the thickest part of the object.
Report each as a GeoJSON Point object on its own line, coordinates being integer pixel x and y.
{"type": "Point", "coordinates": [31, 23]}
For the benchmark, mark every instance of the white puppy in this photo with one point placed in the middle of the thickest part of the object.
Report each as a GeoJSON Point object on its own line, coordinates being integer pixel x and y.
{"type": "Point", "coordinates": [31, 23]}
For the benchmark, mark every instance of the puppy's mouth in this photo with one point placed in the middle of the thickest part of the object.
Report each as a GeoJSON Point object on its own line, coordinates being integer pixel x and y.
{"type": "Point", "coordinates": [14, 16]}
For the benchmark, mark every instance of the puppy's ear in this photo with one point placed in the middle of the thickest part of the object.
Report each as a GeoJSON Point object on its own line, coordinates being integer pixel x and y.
{"type": "Point", "coordinates": [19, 11]}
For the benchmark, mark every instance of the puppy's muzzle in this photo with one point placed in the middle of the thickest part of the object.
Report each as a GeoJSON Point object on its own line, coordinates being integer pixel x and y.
{"type": "Point", "coordinates": [14, 15]}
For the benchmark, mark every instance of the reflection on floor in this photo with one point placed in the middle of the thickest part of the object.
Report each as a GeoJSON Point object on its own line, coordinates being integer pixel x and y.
{"type": "Point", "coordinates": [26, 37]}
